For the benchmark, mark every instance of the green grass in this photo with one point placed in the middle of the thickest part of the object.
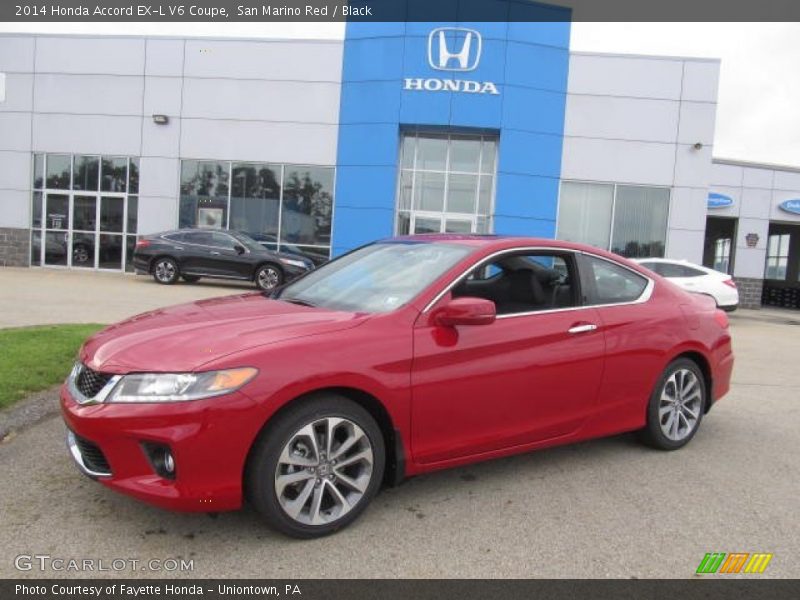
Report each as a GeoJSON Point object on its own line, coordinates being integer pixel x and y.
{"type": "Point", "coordinates": [36, 358]}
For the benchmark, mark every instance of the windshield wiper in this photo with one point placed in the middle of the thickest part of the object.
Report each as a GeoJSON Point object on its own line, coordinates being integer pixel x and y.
{"type": "Point", "coordinates": [298, 301]}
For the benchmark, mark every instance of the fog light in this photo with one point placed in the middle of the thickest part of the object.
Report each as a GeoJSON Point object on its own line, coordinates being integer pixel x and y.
{"type": "Point", "coordinates": [160, 458]}
{"type": "Point", "coordinates": [169, 462]}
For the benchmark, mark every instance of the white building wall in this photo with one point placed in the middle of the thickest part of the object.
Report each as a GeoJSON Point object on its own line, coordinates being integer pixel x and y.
{"type": "Point", "coordinates": [636, 120]}
{"type": "Point", "coordinates": [255, 100]}
{"type": "Point", "coordinates": [757, 192]}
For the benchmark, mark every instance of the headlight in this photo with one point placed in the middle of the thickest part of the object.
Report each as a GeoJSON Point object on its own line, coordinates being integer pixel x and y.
{"type": "Point", "coordinates": [294, 263]}
{"type": "Point", "coordinates": [177, 387]}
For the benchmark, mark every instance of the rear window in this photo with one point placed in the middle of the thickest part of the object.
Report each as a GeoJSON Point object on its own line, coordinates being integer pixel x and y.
{"type": "Point", "coordinates": [611, 283]}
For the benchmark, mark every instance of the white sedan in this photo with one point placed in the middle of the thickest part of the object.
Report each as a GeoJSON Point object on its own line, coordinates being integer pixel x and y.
{"type": "Point", "coordinates": [695, 278]}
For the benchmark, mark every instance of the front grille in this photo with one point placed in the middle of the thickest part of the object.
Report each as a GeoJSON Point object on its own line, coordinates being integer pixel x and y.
{"type": "Point", "coordinates": [93, 457]}
{"type": "Point", "coordinates": [89, 383]}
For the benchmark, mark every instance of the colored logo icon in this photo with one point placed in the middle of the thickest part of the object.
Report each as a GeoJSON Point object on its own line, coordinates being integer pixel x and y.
{"type": "Point", "coordinates": [734, 562]}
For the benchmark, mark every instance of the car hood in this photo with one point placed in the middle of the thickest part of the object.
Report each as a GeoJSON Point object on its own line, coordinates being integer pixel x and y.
{"type": "Point", "coordinates": [185, 337]}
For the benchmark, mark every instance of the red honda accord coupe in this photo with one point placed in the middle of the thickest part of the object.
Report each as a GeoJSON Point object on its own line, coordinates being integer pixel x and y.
{"type": "Point", "coordinates": [404, 356]}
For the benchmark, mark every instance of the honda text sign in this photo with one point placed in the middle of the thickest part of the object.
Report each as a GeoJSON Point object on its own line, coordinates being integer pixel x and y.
{"type": "Point", "coordinates": [454, 49]}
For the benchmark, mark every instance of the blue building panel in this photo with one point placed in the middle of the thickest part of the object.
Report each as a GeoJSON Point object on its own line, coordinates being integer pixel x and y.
{"type": "Point", "coordinates": [526, 65]}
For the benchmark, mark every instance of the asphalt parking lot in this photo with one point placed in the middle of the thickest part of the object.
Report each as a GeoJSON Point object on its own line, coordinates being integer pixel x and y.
{"type": "Point", "coordinates": [607, 508]}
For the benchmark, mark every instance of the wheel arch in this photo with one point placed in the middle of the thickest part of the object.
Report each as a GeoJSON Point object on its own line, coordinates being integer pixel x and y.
{"type": "Point", "coordinates": [266, 261]}
{"type": "Point", "coordinates": [703, 364]}
{"type": "Point", "coordinates": [158, 257]}
{"type": "Point", "coordinates": [394, 470]}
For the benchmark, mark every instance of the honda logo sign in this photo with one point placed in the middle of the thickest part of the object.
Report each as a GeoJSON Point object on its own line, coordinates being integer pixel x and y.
{"type": "Point", "coordinates": [454, 49]}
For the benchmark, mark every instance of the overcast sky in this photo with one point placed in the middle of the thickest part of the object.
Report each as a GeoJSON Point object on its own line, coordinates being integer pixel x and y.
{"type": "Point", "coordinates": [758, 117]}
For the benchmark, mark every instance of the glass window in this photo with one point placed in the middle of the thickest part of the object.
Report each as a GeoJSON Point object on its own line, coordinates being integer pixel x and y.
{"type": "Point", "coordinates": [585, 213]}
{"type": "Point", "coordinates": [640, 221]}
{"type": "Point", "coordinates": [133, 176]}
{"type": "Point", "coordinates": [443, 178]}
{"type": "Point", "coordinates": [36, 210]}
{"type": "Point", "coordinates": [202, 238]}
{"type": "Point", "coordinates": [639, 226]}
{"type": "Point", "coordinates": [722, 255]}
{"type": "Point", "coordinates": [133, 214]}
{"type": "Point", "coordinates": [777, 256]}
{"type": "Point", "coordinates": [223, 240]}
{"type": "Point", "coordinates": [59, 167]}
{"type": "Point", "coordinates": [610, 283]}
{"type": "Point", "coordinates": [80, 213]}
{"type": "Point", "coordinates": [87, 171]}
{"type": "Point", "coordinates": [114, 174]}
{"type": "Point", "coordinates": [255, 200]}
{"type": "Point", "coordinates": [307, 206]}
{"type": "Point", "coordinates": [429, 192]}
{"type": "Point", "coordinates": [110, 252]}
{"type": "Point", "coordinates": [111, 213]}
{"type": "Point", "coordinates": [465, 154]}
{"type": "Point", "coordinates": [431, 153]}
{"type": "Point", "coordinates": [84, 213]}
{"type": "Point", "coordinates": [38, 171]}
{"type": "Point", "coordinates": [522, 283]}
{"type": "Point", "coordinates": [57, 211]}
{"type": "Point", "coordinates": [204, 194]}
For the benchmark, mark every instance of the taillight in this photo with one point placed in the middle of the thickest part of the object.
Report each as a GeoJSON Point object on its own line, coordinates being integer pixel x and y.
{"type": "Point", "coordinates": [730, 283]}
{"type": "Point", "coordinates": [721, 318]}
{"type": "Point", "coordinates": [142, 243]}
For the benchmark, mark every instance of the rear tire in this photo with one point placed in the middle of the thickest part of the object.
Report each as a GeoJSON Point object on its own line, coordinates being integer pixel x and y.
{"type": "Point", "coordinates": [165, 271]}
{"type": "Point", "coordinates": [676, 406]}
{"type": "Point", "coordinates": [306, 487]}
{"type": "Point", "coordinates": [268, 277]}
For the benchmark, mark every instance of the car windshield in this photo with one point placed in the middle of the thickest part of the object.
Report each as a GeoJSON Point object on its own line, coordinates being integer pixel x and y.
{"type": "Point", "coordinates": [246, 240]}
{"type": "Point", "coordinates": [376, 278]}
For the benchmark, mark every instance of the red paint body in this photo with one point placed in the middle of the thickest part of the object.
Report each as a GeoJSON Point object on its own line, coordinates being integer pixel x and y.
{"type": "Point", "coordinates": [454, 394]}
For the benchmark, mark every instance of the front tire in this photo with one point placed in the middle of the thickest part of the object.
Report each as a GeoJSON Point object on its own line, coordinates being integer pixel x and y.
{"type": "Point", "coordinates": [268, 277]}
{"type": "Point", "coordinates": [316, 467]}
{"type": "Point", "coordinates": [165, 271]}
{"type": "Point", "coordinates": [676, 406]}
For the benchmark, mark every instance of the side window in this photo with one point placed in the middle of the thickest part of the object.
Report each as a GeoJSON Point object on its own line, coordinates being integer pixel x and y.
{"type": "Point", "coordinates": [175, 237]}
{"type": "Point", "coordinates": [523, 283]}
{"type": "Point", "coordinates": [201, 238]}
{"type": "Point", "coordinates": [654, 267]}
{"type": "Point", "coordinates": [222, 240]}
{"type": "Point", "coordinates": [610, 283]}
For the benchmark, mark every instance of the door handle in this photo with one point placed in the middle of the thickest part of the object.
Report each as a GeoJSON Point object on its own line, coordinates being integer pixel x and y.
{"type": "Point", "coordinates": [214, 252]}
{"type": "Point", "coordinates": [584, 328]}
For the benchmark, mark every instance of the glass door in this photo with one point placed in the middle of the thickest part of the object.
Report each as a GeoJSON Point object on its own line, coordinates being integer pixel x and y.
{"type": "Point", "coordinates": [438, 223]}
{"type": "Point", "coordinates": [84, 228]}
{"type": "Point", "coordinates": [56, 230]}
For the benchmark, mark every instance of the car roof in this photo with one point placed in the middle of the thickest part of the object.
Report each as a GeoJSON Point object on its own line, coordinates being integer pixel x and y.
{"type": "Point", "coordinates": [499, 242]}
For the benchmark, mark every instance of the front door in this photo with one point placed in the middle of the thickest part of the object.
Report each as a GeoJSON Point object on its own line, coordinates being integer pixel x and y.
{"type": "Point", "coordinates": [530, 376]}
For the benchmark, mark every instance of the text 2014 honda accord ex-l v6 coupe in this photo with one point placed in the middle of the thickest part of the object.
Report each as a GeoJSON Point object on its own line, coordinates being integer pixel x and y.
{"type": "Point", "coordinates": [401, 357]}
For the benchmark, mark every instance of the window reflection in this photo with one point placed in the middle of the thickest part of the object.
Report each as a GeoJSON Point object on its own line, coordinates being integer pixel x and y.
{"type": "Point", "coordinates": [86, 173]}
{"type": "Point", "coordinates": [114, 174]}
{"type": "Point", "coordinates": [58, 171]}
{"type": "Point", "coordinates": [204, 194]}
{"type": "Point", "coordinates": [307, 206]}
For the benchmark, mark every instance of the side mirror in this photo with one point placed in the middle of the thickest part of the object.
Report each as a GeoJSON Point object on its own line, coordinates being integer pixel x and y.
{"type": "Point", "coordinates": [239, 249]}
{"type": "Point", "coordinates": [466, 311]}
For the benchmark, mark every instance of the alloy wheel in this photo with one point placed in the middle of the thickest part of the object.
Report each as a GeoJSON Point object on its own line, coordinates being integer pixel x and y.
{"type": "Point", "coordinates": [165, 271]}
{"type": "Point", "coordinates": [268, 278]}
{"type": "Point", "coordinates": [324, 471]}
{"type": "Point", "coordinates": [680, 405]}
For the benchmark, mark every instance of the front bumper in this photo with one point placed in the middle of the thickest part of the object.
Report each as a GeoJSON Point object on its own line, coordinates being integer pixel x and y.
{"type": "Point", "coordinates": [209, 440]}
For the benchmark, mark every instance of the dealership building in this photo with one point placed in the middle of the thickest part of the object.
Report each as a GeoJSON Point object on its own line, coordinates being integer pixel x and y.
{"type": "Point", "coordinates": [317, 146]}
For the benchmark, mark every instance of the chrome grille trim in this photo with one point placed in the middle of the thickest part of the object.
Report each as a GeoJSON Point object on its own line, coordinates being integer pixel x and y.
{"type": "Point", "coordinates": [77, 455]}
{"type": "Point", "coordinates": [79, 396]}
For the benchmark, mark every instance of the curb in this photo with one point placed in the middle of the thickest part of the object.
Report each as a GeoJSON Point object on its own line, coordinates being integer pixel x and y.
{"type": "Point", "coordinates": [27, 412]}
